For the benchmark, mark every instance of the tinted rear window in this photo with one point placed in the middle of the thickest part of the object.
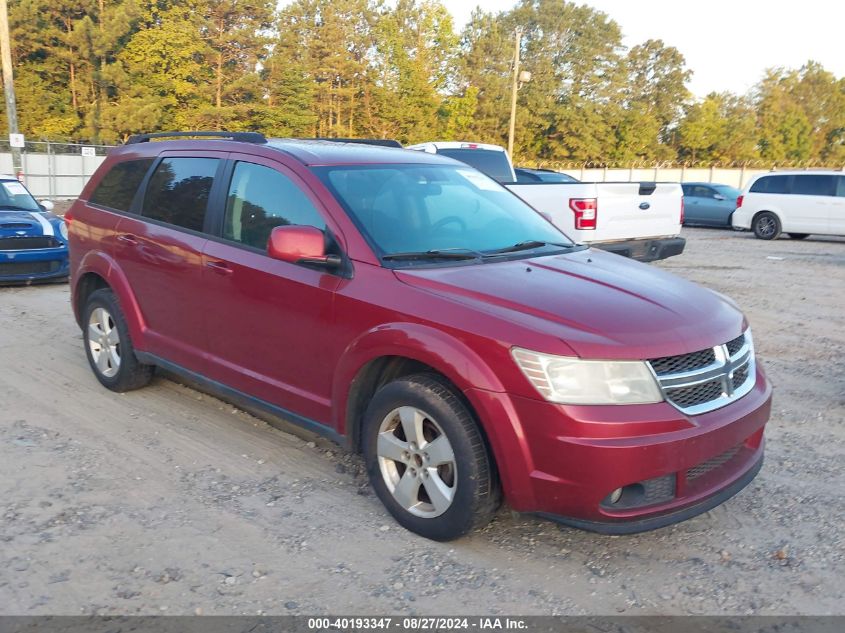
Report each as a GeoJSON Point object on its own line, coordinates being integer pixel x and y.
{"type": "Point", "coordinates": [117, 188]}
{"type": "Point", "coordinates": [491, 162]}
{"type": "Point", "coordinates": [178, 191]}
{"type": "Point", "coordinates": [814, 185]}
{"type": "Point", "coordinates": [771, 184]}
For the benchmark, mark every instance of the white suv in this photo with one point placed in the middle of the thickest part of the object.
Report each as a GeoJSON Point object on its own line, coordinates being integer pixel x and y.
{"type": "Point", "coordinates": [799, 203]}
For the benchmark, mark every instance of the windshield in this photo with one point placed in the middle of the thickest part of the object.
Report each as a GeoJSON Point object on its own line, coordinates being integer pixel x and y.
{"type": "Point", "coordinates": [494, 163]}
{"type": "Point", "coordinates": [728, 191]}
{"type": "Point", "coordinates": [434, 208]}
{"type": "Point", "coordinates": [13, 195]}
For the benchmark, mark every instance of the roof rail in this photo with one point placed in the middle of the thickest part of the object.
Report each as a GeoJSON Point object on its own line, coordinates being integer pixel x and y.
{"type": "Point", "coordinates": [245, 137]}
{"type": "Point", "coordinates": [382, 142]}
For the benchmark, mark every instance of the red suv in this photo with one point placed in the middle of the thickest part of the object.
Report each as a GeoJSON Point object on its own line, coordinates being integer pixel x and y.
{"type": "Point", "coordinates": [410, 308]}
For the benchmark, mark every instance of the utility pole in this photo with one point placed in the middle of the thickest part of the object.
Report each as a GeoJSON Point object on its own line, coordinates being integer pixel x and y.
{"type": "Point", "coordinates": [513, 90]}
{"type": "Point", "coordinates": [9, 84]}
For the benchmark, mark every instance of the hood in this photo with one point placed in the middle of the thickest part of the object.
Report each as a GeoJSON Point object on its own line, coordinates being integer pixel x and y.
{"type": "Point", "coordinates": [601, 305]}
{"type": "Point", "coordinates": [26, 224]}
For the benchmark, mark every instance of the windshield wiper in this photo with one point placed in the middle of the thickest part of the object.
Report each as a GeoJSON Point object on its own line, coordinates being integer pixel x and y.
{"type": "Point", "coordinates": [446, 253]}
{"type": "Point", "coordinates": [524, 246]}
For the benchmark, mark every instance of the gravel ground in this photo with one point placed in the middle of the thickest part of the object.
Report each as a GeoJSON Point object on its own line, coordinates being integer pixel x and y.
{"type": "Point", "coordinates": [167, 500]}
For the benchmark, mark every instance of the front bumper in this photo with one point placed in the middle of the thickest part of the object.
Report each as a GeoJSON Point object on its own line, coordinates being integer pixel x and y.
{"type": "Point", "coordinates": [565, 461]}
{"type": "Point", "coordinates": [30, 266]}
{"type": "Point", "coordinates": [647, 250]}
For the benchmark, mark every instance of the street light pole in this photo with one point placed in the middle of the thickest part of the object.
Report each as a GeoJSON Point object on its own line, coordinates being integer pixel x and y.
{"type": "Point", "coordinates": [9, 84]}
{"type": "Point", "coordinates": [514, 88]}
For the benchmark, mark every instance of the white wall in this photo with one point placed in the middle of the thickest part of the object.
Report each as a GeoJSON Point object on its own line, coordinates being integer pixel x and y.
{"type": "Point", "coordinates": [53, 175]}
{"type": "Point", "coordinates": [736, 177]}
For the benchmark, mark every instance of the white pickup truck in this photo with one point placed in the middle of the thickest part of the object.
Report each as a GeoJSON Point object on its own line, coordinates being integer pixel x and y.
{"type": "Point", "coordinates": [641, 220]}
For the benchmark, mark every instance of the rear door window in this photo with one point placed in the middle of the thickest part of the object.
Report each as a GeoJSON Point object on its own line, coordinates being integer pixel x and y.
{"type": "Point", "coordinates": [771, 184]}
{"type": "Point", "coordinates": [260, 199]}
{"type": "Point", "coordinates": [178, 191]}
{"type": "Point", "coordinates": [491, 162]}
{"type": "Point", "coordinates": [814, 185]}
{"type": "Point", "coordinates": [699, 191]}
{"type": "Point", "coordinates": [118, 187]}
{"type": "Point", "coordinates": [840, 189]}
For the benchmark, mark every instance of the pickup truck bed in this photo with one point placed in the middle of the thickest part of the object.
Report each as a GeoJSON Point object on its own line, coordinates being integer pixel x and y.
{"type": "Point", "coordinates": [641, 220]}
{"type": "Point", "coordinates": [638, 220]}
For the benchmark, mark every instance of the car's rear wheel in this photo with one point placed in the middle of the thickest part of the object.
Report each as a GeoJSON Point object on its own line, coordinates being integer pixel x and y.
{"type": "Point", "coordinates": [427, 459]}
{"type": "Point", "coordinates": [799, 236]}
{"type": "Point", "coordinates": [766, 226]}
{"type": "Point", "coordinates": [108, 345]}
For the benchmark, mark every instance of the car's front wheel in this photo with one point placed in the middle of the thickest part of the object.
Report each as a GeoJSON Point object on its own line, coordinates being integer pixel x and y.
{"type": "Point", "coordinates": [108, 346]}
{"type": "Point", "coordinates": [427, 459]}
{"type": "Point", "coordinates": [766, 226]}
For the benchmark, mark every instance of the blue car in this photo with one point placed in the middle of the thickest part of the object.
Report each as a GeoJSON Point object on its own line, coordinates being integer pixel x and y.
{"type": "Point", "coordinates": [33, 241]}
{"type": "Point", "coordinates": [709, 204]}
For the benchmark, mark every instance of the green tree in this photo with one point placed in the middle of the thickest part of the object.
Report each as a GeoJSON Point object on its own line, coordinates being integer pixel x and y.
{"type": "Point", "coordinates": [416, 44]}
{"type": "Point", "coordinates": [656, 83]}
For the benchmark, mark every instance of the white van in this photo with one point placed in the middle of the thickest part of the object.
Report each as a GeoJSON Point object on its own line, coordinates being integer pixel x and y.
{"type": "Point", "coordinates": [799, 203]}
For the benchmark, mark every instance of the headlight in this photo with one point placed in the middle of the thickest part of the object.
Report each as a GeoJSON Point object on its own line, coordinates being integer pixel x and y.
{"type": "Point", "coordinates": [63, 230]}
{"type": "Point", "coordinates": [574, 381]}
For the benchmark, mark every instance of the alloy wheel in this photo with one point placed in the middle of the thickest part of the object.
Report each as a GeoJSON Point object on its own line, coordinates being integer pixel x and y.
{"type": "Point", "coordinates": [104, 342]}
{"type": "Point", "coordinates": [766, 226]}
{"type": "Point", "coordinates": [417, 462]}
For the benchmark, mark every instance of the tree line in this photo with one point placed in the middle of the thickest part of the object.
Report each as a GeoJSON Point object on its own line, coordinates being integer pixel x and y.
{"type": "Point", "coordinates": [99, 70]}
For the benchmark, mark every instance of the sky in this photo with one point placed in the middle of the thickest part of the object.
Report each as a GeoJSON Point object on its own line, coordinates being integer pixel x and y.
{"type": "Point", "coordinates": [727, 43]}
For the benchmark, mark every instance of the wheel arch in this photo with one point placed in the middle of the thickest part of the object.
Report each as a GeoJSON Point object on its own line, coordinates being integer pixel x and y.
{"type": "Point", "coordinates": [391, 351]}
{"type": "Point", "coordinates": [98, 270]}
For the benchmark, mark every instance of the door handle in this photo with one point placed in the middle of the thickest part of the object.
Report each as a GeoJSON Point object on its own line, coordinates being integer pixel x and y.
{"type": "Point", "coordinates": [127, 238]}
{"type": "Point", "coordinates": [221, 268]}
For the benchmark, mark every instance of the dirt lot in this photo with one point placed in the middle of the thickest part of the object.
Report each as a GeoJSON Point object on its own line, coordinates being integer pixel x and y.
{"type": "Point", "coordinates": [169, 501]}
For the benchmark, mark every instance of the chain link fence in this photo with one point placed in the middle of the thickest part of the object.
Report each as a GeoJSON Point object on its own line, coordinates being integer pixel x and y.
{"type": "Point", "coordinates": [59, 171]}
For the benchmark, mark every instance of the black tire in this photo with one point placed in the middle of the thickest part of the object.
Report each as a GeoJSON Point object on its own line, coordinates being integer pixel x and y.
{"type": "Point", "coordinates": [799, 236]}
{"type": "Point", "coordinates": [131, 374]}
{"type": "Point", "coordinates": [766, 226]}
{"type": "Point", "coordinates": [477, 492]}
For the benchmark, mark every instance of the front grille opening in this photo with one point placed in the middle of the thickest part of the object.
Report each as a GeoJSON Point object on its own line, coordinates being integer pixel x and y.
{"type": "Point", "coordinates": [740, 376]}
{"type": "Point", "coordinates": [736, 344]}
{"type": "Point", "coordinates": [28, 243]}
{"type": "Point", "coordinates": [642, 493]}
{"type": "Point", "coordinates": [685, 362]}
{"type": "Point", "coordinates": [28, 268]}
{"type": "Point", "coordinates": [697, 394]}
{"type": "Point", "coordinates": [713, 463]}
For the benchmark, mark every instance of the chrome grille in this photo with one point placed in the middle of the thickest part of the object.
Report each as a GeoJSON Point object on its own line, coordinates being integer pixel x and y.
{"type": "Point", "coordinates": [707, 379]}
{"type": "Point", "coordinates": [712, 464]}
{"type": "Point", "coordinates": [685, 362]}
{"type": "Point", "coordinates": [736, 344]}
{"type": "Point", "coordinates": [697, 394]}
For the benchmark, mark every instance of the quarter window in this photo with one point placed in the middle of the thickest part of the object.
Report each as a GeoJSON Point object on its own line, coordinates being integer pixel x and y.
{"type": "Point", "coordinates": [771, 184]}
{"type": "Point", "coordinates": [259, 200]}
{"type": "Point", "coordinates": [118, 187]}
{"type": "Point", "coordinates": [814, 185]}
{"type": "Point", "coordinates": [178, 191]}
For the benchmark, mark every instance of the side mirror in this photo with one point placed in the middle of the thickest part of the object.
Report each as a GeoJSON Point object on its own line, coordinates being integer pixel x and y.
{"type": "Point", "coordinates": [47, 205]}
{"type": "Point", "coordinates": [301, 245]}
{"type": "Point", "coordinates": [719, 196]}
